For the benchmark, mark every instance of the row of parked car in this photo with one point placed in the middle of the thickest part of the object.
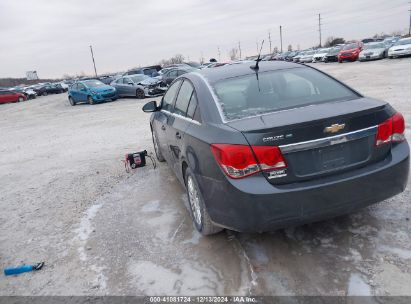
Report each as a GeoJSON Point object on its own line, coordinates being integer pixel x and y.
{"type": "Point", "coordinates": [23, 93]}
{"type": "Point", "coordinates": [391, 47]}
{"type": "Point", "coordinates": [140, 83]}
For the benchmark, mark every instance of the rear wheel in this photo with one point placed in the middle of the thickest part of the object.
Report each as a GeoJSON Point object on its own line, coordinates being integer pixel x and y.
{"type": "Point", "coordinates": [140, 94]}
{"type": "Point", "coordinates": [72, 102]}
{"type": "Point", "coordinates": [159, 155]}
{"type": "Point", "coordinates": [90, 100]}
{"type": "Point", "coordinates": [199, 213]}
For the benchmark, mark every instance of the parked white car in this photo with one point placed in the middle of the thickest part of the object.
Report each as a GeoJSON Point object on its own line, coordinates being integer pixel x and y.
{"type": "Point", "coordinates": [373, 50]}
{"type": "Point", "coordinates": [307, 57]}
{"type": "Point", "coordinates": [401, 48]}
{"type": "Point", "coordinates": [320, 55]}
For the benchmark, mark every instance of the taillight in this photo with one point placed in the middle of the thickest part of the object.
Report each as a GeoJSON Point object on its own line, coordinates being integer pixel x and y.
{"type": "Point", "coordinates": [398, 128]}
{"type": "Point", "coordinates": [239, 161]}
{"type": "Point", "coordinates": [391, 130]}
{"type": "Point", "coordinates": [269, 158]}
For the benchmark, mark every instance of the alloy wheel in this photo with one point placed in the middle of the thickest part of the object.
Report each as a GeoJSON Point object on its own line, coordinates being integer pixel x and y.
{"type": "Point", "coordinates": [194, 200]}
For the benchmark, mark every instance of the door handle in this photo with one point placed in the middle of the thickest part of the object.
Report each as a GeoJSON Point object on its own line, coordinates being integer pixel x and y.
{"type": "Point", "coordinates": [163, 127]}
{"type": "Point", "coordinates": [178, 135]}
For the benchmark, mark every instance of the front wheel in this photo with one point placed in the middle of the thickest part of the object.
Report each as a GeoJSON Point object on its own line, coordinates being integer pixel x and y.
{"type": "Point", "coordinates": [159, 155]}
{"type": "Point", "coordinates": [140, 94]}
{"type": "Point", "coordinates": [21, 99]}
{"type": "Point", "coordinates": [45, 94]}
{"type": "Point", "coordinates": [90, 100]}
{"type": "Point", "coordinates": [72, 102]}
{"type": "Point", "coordinates": [199, 213]}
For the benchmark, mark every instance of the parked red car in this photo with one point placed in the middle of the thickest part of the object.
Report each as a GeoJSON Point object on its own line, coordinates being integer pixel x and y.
{"type": "Point", "coordinates": [350, 52]}
{"type": "Point", "coordinates": [10, 96]}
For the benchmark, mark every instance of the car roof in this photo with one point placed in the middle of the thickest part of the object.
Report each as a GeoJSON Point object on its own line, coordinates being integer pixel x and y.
{"type": "Point", "coordinates": [373, 43]}
{"type": "Point", "coordinates": [234, 70]}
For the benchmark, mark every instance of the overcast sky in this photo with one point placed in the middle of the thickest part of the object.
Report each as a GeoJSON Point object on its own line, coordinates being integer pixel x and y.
{"type": "Point", "coordinates": [53, 36]}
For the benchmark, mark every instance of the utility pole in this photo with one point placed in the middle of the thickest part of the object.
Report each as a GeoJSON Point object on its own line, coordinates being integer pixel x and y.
{"type": "Point", "coordinates": [319, 26]}
{"type": "Point", "coordinates": [269, 39]}
{"type": "Point", "coordinates": [239, 48]}
{"type": "Point", "coordinates": [219, 54]}
{"type": "Point", "coordinates": [409, 29]}
{"type": "Point", "coordinates": [94, 63]}
{"type": "Point", "coordinates": [281, 38]}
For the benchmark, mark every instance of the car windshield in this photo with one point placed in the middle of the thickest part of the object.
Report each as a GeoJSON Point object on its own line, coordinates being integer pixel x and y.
{"type": "Point", "coordinates": [350, 46]}
{"type": "Point", "coordinates": [374, 46]}
{"type": "Point", "coordinates": [403, 41]}
{"type": "Point", "coordinates": [93, 83]}
{"type": "Point", "coordinates": [138, 78]}
{"type": "Point", "coordinates": [272, 91]}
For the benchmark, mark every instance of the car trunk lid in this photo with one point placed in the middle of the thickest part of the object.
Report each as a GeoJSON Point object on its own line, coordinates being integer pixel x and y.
{"type": "Point", "coordinates": [319, 140]}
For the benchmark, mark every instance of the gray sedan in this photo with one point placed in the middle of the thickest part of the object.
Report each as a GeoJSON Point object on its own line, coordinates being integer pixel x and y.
{"type": "Point", "coordinates": [280, 144]}
{"type": "Point", "coordinates": [138, 85]}
{"type": "Point", "coordinates": [373, 50]}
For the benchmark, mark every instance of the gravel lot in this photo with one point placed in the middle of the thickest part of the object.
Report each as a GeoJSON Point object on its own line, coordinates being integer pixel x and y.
{"type": "Point", "coordinates": [66, 199]}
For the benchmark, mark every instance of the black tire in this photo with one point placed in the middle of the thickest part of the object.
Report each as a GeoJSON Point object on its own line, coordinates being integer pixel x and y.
{"type": "Point", "coordinates": [157, 150]}
{"type": "Point", "coordinates": [72, 102]}
{"type": "Point", "coordinates": [199, 214]}
{"type": "Point", "coordinates": [44, 94]}
{"type": "Point", "coordinates": [140, 94]}
{"type": "Point", "coordinates": [90, 100]}
{"type": "Point", "coordinates": [339, 61]}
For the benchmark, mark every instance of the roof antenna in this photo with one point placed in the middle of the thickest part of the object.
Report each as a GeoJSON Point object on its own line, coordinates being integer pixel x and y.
{"type": "Point", "coordinates": [257, 61]}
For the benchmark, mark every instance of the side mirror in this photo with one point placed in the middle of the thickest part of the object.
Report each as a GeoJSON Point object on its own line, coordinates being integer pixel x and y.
{"type": "Point", "coordinates": [131, 83]}
{"type": "Point", "coordinates": [150, 106]}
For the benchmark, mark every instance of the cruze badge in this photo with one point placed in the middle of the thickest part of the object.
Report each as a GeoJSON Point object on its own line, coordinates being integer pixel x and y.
{"type": "Point", "coordinates": [334, 128]}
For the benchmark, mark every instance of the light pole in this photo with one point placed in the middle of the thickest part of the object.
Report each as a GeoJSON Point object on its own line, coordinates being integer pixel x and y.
{"type": "Point", "coordinates": [94, 63]}
{"type": "Point", "coordinates": [281, 38]}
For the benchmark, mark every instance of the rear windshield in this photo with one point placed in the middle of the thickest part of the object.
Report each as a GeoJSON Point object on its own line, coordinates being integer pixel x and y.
{"type": "Point", "coordinates": [246, 96]}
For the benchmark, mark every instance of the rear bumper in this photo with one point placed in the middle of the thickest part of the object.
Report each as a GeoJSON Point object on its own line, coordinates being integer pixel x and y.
{"type": "Point", "coordinates": [254, 205]}
{"type": "Point", "coordinates": [370, 57]}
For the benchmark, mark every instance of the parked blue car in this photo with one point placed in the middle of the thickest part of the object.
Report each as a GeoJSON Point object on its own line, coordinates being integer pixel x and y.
{"type": "Point", "coordinates": [91, 91]}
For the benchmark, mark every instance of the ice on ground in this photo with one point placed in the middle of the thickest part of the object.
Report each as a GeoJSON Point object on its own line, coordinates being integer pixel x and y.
{"type": "Point", "coordinates": [357, 286]}
{"type": "Point", "coordinates": [186, 279]}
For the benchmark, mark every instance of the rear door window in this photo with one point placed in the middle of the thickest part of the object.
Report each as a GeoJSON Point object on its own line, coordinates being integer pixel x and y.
{"type": "Point", "coordinates": [170, 95]}
{"type": "Point", "coordinates": [192, 106]}
{"type": "Point", "coordinates": [183, 98]}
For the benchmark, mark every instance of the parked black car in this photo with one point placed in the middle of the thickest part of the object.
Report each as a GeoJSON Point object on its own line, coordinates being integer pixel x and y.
{"type": "Point", "coordinates": [106, 79]}
{"type": "Point", "coordinates": [151, 71]}
{"type": "Point", "coordinates": [48, 89]}
{"type": "Point", "coordinates": [169, 76]}
{"type": "Point", "coordinates": [332, 55]}
{"type": "Point", "coordinates": [285, 144]}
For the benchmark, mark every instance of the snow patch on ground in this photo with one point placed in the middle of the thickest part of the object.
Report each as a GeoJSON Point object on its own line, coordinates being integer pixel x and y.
{"type": "Point", "coordinates": [85, 229]}
{"type": "Point", "coordinates": [357, 286]}
{"type": "Point", "coordinates": [186, 279]}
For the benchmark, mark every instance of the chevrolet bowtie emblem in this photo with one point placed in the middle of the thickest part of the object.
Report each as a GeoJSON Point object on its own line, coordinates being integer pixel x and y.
{"type": "Point", "coordinates": [334, 128]}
